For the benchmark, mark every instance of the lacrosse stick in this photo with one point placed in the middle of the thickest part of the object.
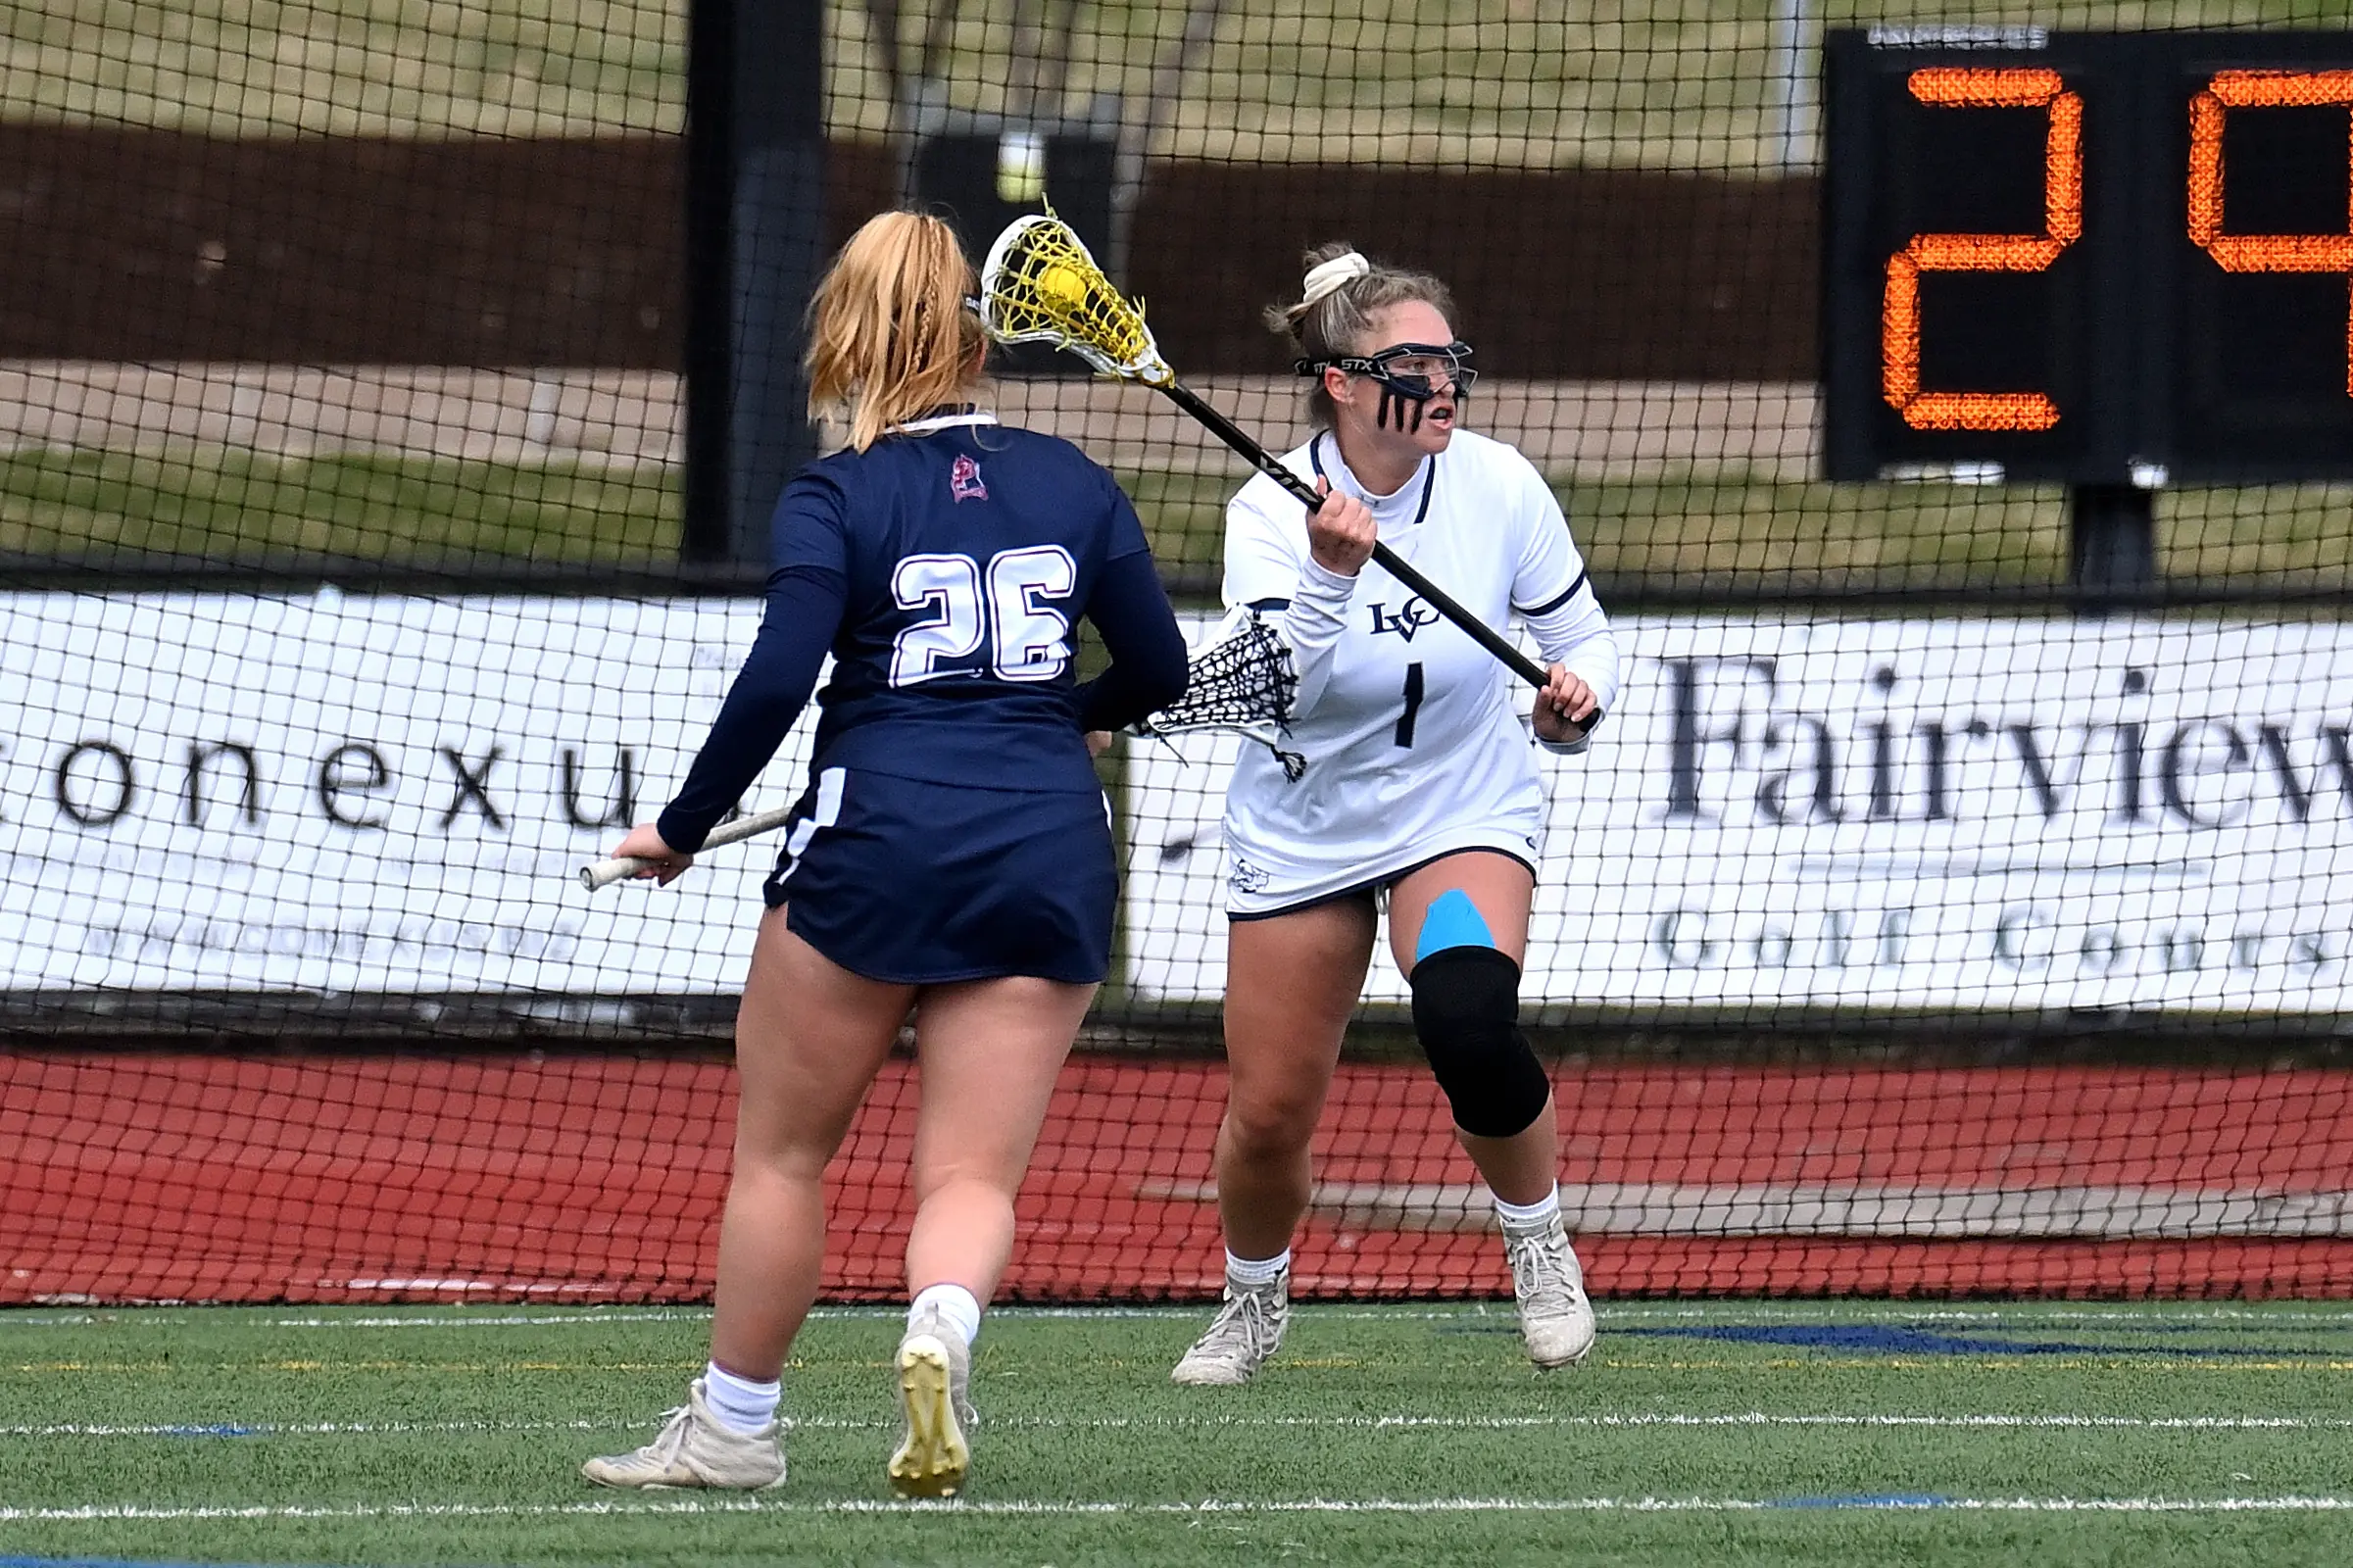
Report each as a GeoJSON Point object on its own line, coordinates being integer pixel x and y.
{"type": "Point", "coordinates": [1041, 285]}
{"type": "Point", "coordinates": [1244, 679]}
{"type": "Point", "coordinates": [621, 866]}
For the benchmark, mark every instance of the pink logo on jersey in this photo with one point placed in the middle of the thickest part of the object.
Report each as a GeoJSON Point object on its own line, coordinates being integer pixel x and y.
{"type": "Point", "coordinates": [964, 481]}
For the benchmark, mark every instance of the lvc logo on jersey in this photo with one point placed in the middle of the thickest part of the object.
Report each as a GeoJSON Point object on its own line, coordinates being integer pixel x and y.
{"type": "Point", "coordinates": [964, 481]}
{"type": "Point", "coordinates": [1410, 619]}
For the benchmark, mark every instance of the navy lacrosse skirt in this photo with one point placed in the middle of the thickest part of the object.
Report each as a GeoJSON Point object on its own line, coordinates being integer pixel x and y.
{"type": "Point", "coordinates": [918, 883]}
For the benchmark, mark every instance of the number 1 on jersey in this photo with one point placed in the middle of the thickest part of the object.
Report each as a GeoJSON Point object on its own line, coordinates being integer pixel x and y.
{"type": "Point", "coordinates": [1413, 704]}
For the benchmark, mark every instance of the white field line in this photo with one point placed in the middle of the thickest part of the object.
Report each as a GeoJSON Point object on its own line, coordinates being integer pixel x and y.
{"type": "Point", "coordinates": [590, 1318]}
{"type": "Point", "coordinates": [1769, 1208]}
{"type": "Point", "coordinates": [503, 1321]}
{"type": "Point", "coordinates": [1210, 1505]}
{"type": "Point", "coordinates": [1357, 1423]}
{"type": "Point", "coordinates": [1610, 1311]}
{"type": "Point", "coordinates": [461, 1286]}
{"type": "Point", "coordinates": [1729, 1309]}
{"type": "Point", "coordinates": [1798, 1312]}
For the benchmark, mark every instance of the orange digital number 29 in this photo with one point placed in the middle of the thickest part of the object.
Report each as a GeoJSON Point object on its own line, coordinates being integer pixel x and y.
{"type": "Point", "coordinates": [2062, 223]}
{"type": "Point", "coordinates": [2265, 252]}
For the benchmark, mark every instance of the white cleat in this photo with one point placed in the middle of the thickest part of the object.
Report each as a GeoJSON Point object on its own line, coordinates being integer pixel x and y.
{"type": "Point", "coordinates": [1556, 1320]}
{"type": "Point", "coordinates": [695, 1448]}
{"type": "Point", "coordinates": [1247, 1329]}
{"type": "Point", "coordinates": [935, 1373]}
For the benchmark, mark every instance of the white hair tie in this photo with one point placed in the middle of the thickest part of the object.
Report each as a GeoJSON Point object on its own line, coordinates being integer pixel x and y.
{"type": "Point", "coordinates": [1326, 276]}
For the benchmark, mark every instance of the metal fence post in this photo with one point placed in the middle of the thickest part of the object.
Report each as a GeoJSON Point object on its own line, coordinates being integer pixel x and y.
{"type": "Point", "coordinates": [755, 180]}
{"type": "Point", "coordinates": [2111, 546]}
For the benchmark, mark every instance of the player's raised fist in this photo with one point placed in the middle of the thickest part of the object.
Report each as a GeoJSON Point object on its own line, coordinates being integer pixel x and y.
{"type": "Point", "coordinates": [1340, 532]}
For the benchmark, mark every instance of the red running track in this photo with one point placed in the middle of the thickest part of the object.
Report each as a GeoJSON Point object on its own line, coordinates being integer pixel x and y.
{"type": "Point", "coordinates": [127, 1177]}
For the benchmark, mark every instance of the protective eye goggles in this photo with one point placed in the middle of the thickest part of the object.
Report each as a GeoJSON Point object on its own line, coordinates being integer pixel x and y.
{"type": "Point", "coordinates": [1409, 369]}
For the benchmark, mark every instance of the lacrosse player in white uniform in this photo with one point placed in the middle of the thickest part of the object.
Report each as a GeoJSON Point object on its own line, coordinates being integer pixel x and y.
{"type": "Point", "coordinates": [1421, 791]}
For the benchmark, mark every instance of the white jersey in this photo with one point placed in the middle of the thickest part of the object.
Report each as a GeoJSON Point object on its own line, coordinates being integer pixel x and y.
{"type": "Point", "coordinates": [1414, 737]}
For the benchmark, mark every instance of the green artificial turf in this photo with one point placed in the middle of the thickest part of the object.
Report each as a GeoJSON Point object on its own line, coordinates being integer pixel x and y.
{"type": "Point", "coordinates": [1696, 1434]}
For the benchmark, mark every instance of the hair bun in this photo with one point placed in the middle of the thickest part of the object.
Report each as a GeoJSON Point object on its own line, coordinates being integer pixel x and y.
{"type": "Point", "coordinates": [1326, 278]}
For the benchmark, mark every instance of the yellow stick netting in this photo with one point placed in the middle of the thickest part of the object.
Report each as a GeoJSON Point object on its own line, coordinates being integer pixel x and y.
{"type": "Point", "coordinates": [1041, 284]}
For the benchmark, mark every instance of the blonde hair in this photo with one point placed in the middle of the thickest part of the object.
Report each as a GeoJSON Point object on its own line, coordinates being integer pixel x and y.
{"type": "Point", "coordinates": [1337, 321]}
{"type": "Point", "coordinates": [889, 335]}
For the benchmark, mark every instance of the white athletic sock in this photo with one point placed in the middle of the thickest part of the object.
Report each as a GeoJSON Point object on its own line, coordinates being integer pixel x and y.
{"type": "Point", "coordinates": [741, 1404]}
{"type": "Point", "coordinates": [1257, 1270]}
{"type": "Point", "coordinates": [959, 1306]}
{"type": "Point", "coordinates": [1524, 1216]}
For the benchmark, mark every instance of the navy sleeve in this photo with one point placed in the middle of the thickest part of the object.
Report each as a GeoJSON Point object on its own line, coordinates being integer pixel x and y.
{"type": "Point", "coordinates": [805, 609]}
{"type": "Point", "coordinates": [1140, 632]}
{"type": "Point", "coordinates": [805, 601]}
{"type": "Point", "coordinates": [809, 588]}
{"type": "Point", "coordinates": [810, 527]}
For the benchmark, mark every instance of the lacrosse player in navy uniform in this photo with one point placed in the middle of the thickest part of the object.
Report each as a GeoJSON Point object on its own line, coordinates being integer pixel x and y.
{"type": "Point", "coordinates": [1421, 791]}
{"type": "Point", "coordinates": [952, 854]}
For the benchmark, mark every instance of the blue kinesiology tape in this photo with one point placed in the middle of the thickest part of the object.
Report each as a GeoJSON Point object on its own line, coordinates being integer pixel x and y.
{"type": "Point", "coordinates": [1452, 921]}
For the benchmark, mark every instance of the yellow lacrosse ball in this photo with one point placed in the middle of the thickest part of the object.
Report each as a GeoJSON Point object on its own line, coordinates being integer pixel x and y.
{"type": "Point", "coordinates": [1062, 284]}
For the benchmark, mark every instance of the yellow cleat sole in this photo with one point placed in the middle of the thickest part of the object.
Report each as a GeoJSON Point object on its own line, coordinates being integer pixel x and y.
{"type": "Point", "coordinates": [934, 1459]}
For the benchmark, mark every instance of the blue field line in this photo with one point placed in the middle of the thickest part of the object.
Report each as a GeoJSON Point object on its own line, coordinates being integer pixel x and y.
{"type": "Point", "coordinates": [1870, 1338]}
{"type": "Point", "coordinates": [111, 1562]}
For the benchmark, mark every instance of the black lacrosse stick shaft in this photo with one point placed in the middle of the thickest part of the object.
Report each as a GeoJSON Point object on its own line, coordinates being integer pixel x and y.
{"type": "Point", "coordinates": [1439, 599]}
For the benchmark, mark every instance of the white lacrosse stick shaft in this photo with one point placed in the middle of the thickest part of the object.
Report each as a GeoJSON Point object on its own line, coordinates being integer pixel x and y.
{"type": "Point", "coordinates": [620, 867]}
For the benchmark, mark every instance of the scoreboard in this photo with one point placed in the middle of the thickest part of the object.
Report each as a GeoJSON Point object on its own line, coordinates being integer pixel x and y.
{"type": "Point", "coordinates": [2097, 258]}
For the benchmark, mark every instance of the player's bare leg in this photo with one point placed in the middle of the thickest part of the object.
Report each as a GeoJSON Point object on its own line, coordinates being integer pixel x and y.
{"type": "Point", "coordinates": [810, 1037]}
{"type": "Point", "coordinates": [1292, 982]}
{"type": "Point", "coordinates": [991, 1051]}
{"type": "Point", "coordinates": [1482, 899]}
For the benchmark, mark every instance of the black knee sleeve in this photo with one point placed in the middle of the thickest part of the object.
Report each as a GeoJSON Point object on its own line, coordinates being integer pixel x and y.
{"type": "Point", "coordinates": [1466, 1013]}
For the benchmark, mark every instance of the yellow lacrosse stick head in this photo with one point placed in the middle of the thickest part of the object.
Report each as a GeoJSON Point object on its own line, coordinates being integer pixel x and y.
{"type": "Point", "coordinates": [1040, 284]}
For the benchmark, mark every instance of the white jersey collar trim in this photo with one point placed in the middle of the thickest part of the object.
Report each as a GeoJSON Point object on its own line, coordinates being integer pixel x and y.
{"type": "Point", "coordinates": [942, 422]}
{"type": "Point", "coordinates": [1408, 503]}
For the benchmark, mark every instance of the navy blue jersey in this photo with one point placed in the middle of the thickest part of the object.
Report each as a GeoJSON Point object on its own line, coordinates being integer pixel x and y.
{"type": "Point", "coordinates": [945, 569]}
{"type": "Point", "coordinates": [969, 551]}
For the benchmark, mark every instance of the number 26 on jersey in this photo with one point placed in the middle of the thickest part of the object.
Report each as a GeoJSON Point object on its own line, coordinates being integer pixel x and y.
{"type": "Point", "coordinates": [979, 618]}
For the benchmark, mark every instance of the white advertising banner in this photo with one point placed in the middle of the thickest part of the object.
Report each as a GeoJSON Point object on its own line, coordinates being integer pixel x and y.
{"type": "Point", "coordinates": [329, 794]}
{"type": "Point", "coordinates": [1903, 813]}
{"type": "Point", "coordinates": [209, 791]}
